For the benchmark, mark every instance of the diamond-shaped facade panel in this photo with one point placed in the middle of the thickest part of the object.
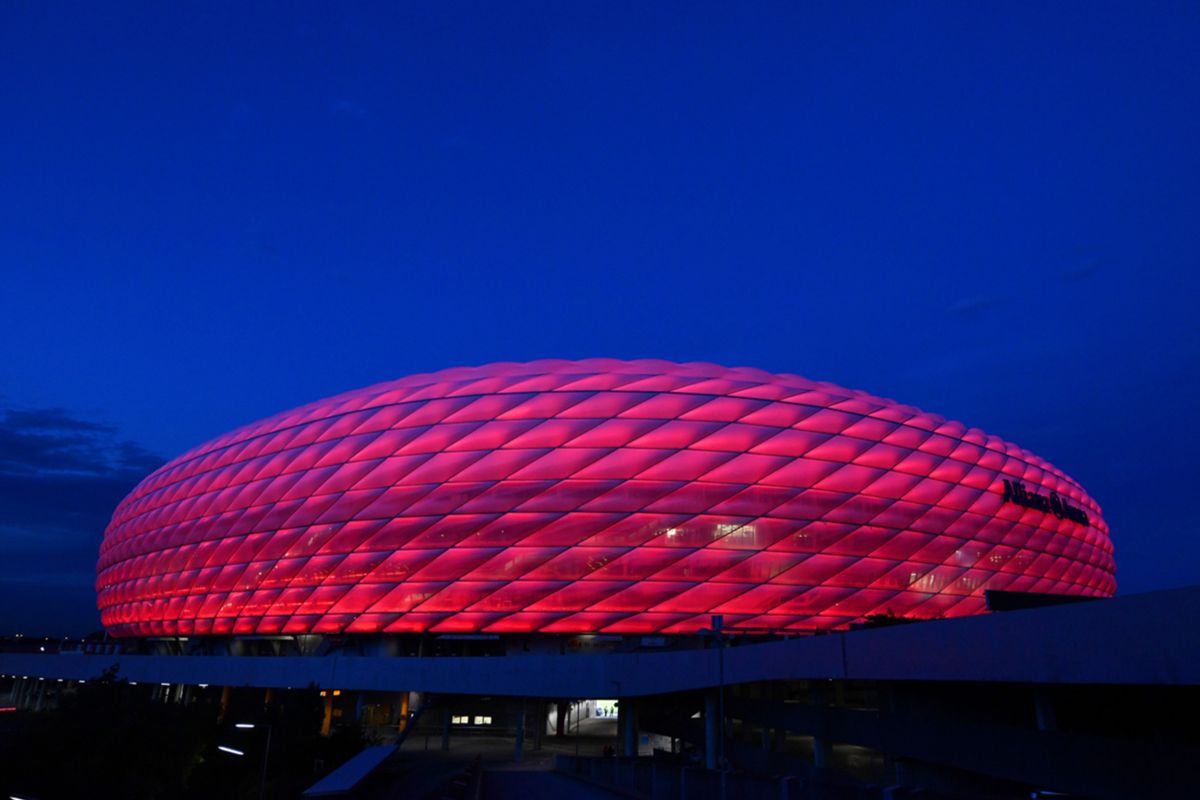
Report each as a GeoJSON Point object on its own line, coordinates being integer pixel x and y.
{"type": "Point", "coordinates": [598, 495]}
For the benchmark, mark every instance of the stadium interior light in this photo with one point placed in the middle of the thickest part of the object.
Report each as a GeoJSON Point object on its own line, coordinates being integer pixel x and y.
{"type": "Point", "coordinates": [225, 749]}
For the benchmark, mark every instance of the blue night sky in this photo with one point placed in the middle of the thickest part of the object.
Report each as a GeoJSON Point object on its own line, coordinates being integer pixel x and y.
{"type": "Point", "coordinates": [212, 213]}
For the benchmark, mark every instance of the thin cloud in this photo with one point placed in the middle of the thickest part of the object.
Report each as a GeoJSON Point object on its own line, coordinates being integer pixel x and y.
{"type": "Point", "coordinates": [976, 306]}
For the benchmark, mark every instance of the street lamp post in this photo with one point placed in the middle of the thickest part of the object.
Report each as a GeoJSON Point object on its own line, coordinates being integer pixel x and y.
{"type": "Point", "coordinates": [718, 634]}
{"type": "Point", "coordinates": [718, 623]}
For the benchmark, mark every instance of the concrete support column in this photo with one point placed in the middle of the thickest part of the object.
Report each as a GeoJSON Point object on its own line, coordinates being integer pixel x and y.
{"type": "Point", "coordinates": [711, 730]}
{"type": "Point", "coordinates": [520, 743]}
{"type": "Point", "coordinates": [394, 712]}
{"type": "Point", "coordinates": [1044, 711]}
{"type": "Point", "coordinates": [327, 718]}
{"type": "Point", "coordinates": [226, 692]}
{"type": "Point", "coordinates": [404, 705]}
{"type": "Point", "coordinates": [39, 697]}
{"type": "Point", "coordinates": [539, 730]}
{"type": "Point", "coordinates": [627, 726]}
{"type": "Point", "coordinates": [358, 706]}
{"type": "Point", "coordinates": [822, 752]}
{"type": "Point", "coordinates": [560, 723]}
{"type": "Point", "coordinates": [822, 747]}
{"type": "Point", "coordinates": [446, 728]}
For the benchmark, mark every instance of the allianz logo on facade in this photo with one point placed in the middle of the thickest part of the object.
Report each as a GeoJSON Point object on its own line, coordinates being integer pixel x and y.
{"type": "Point", "coordinates": [1015, 492]}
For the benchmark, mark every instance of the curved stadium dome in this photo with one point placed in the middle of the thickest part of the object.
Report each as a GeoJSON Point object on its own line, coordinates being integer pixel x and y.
{"type": "Point", "coordinates": [592, 496]}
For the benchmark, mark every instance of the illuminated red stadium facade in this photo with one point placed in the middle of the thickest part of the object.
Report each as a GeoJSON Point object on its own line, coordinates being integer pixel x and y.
{"type": "Point", "coordinates": [592, 496]}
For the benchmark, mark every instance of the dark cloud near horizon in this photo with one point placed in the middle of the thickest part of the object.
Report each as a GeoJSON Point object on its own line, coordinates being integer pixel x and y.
{"type": "Point", "coordinates": [61, 476]}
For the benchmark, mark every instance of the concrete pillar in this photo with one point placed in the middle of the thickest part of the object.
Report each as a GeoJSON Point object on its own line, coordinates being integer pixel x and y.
{"type": "Point", "coordinates": [627, 726]}
{"type": "Point", "coordinates": [446, 728]}
{"type": "Point", "coordinates": [402, 725]}
{"type": "Point", "coordinates": [539, 730]}
{"type": "Point", "coordinates": [358, 706]}
{"type": "Point", "coordinates": [1043, 708]}
{"type": "Point", "coordinates": [327, 719]}
{"type": "Point", "coordinates": [394, 712]}
{"type": "Point", "coordinates": [520, 743]}
{"type": "Point", "coordinates": [560, 723]}
{"type": "Point", "coordinates": [39, 697]}
{"type": "Point", "coordinates": [822, 752]}
{"type": "Point", "coordinates": [822, 747]}
{"type": "Point", "coordinates": [711, 730]}
{"type": "Point", "coordinates": [226, 692]}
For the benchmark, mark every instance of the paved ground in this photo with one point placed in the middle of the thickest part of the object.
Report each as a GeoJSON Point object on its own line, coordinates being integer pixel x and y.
{"type": "Point", "coordinates": [416, 772]}
{"type": "Point", "coordinates": [529, 785]}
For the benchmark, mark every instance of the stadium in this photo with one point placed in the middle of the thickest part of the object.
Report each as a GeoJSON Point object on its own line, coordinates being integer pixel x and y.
{"type": "Point", "coordinates": [596, 496]}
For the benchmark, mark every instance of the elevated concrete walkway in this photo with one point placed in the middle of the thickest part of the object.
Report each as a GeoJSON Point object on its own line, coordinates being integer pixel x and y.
{"type": "Point", "coordinates": [1147, 639]}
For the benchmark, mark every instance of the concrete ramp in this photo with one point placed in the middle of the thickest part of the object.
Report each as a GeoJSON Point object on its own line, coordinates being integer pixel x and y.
{"type": "Point", "coordinates": [343, 779]}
